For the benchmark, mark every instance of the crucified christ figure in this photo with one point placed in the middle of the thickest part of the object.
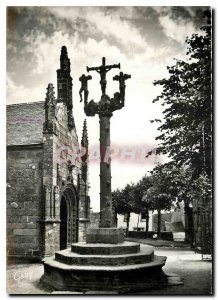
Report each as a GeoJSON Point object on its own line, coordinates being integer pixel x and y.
{"type": "Point", "coordinates": [102, 70]}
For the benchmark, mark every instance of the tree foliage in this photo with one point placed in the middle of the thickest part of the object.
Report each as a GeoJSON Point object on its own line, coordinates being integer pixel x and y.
{"type": "Point", "coordinates": [186, 130]}
{"type": "Point", "coordinates": [123, 200]}
{"type": "Point", "coordinates": [179, 184]}
{"type": "Point", "coordinates": [138, 191]}
{"type": "Point", "coordinates": [157, 197]}
{"type": "Point", "coordinates": [129, 199]}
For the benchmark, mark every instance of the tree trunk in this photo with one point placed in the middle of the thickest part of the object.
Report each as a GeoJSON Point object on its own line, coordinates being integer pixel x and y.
{"type": "Point", "coordinates": [158, 223]}
{"type": "Point", "coordinates": [147, 221]}
{"type": "Point", "coordinates": [189, 228]}
{"type": "Point", "coordinates": [138, 222]}
{"type": "Point", "coordinates": [127, 223]}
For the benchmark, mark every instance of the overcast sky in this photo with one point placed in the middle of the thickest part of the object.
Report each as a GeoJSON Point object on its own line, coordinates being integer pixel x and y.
{"type": "Point", "coordinates": [144, 40]}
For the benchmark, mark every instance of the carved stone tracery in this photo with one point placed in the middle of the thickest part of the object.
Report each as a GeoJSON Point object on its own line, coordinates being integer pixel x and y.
{"type": "Point", "coordinates": [50, 110]}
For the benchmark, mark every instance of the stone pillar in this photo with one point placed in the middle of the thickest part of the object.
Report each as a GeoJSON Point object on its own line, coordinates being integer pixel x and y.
{"type": "Point", "coordinates": [64, 86]}
{"type": "Point", "coordinates": [105, 108]}
{"type": "Point", "coordinates": [84, 213]}
{"type": "Point", "coordinates": [83, 220]}
{"type": "Point", "coordinates": [50, 221]}
{"type": "Point", "coordinates": [106, 217]}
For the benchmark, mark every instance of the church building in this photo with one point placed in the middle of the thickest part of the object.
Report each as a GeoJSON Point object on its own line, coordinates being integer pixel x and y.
{"type": "Point", "coordinates": [48, 205]}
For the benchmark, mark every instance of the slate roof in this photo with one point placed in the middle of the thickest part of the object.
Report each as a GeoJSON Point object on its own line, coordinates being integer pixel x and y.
{"type": "Point", "coordinates": [25, 123]}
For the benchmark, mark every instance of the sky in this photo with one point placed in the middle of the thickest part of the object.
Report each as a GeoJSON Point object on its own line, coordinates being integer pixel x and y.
{"type": "Point", "coordinates": [144, 40]}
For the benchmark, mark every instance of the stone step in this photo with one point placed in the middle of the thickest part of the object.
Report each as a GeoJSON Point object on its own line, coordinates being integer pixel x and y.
{"type": "Point", "coordinates": [158, 261]}
{"type": "Point", "coordinates": [123, 278]}
{"type": "Point", "coordinates": [105, 249]}
{"type": "Point", "coordinates": [105, 235]}
{"type": "Point", "coordinates": [71, 258]}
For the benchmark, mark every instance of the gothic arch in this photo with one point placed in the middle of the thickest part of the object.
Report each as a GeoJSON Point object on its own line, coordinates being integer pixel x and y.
{"type": "Point", "coordinates": [69, 216]}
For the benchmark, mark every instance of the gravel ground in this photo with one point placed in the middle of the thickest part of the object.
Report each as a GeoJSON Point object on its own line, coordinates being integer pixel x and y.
{"type": "Point", "coordinates": [197, 275]}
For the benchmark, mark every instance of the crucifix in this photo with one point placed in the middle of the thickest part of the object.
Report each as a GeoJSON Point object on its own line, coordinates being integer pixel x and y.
{"type": "Point", "coordinates": [105, 108]}
{"type": "Point", "coordinates": [102, 70]}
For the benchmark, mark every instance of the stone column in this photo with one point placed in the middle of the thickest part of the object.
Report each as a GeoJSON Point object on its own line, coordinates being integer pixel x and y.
{"type": "Point", "coordinates": [106, 217]}
{"type": "Point", "coordinates": [107, 231]}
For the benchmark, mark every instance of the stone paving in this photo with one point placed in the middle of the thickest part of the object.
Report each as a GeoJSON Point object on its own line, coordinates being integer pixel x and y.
{"type": "Point", "coordinates": [197, 275]}
{"type": "Point", "coordinates": [160, 243]}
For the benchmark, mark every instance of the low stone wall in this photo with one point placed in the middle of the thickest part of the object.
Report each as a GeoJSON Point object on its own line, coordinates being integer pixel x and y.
{"type": "Point", "coordinates": [166, 235]}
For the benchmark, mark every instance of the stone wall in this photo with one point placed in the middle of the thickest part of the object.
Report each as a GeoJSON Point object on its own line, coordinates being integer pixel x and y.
{"type": "Point", "coordinates": [49, 238]}
{"type": "Point", "coordinates": [25, 123]}
{"type": "Point", "coordinates": [24, 200]}
{"type": "Point", "coordinates": [84, 213]}
{"type": "Point", "coordinates": [37, 177]}
{"type": "Point", "coordinates": [135, 221]}
{"type": "Point", "coordinates": [65, 144]}
{"type": "Point", "coordinates": [58, 154]}
{"type": "Point", "coordinates": [42, 167]}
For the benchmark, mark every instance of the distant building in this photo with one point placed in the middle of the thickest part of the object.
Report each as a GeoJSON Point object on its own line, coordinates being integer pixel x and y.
{"type": "Point", "coordinates": [137, 222]}
{"type": "Point", "coordinates": [165, 220]}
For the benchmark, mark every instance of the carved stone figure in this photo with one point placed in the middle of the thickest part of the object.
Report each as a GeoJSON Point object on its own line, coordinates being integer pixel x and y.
{"type": "Point", "coordinates": [84, 87]}
{"type": "Point", "coordinates": [122, 78]}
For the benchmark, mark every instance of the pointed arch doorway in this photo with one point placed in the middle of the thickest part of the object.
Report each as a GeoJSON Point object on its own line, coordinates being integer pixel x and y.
{"type": "Point", "coordinates": [68, 218]}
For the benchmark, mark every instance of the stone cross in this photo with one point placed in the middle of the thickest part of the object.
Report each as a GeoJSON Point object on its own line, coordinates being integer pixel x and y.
{"type": "Point", "coordinates": [102, 70]}
{"type": "Point", "coordinates": [104, 108]}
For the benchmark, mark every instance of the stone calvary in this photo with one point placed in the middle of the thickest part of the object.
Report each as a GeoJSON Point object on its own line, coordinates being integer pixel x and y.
{"type": "Point", "coordinates": [105, 261]}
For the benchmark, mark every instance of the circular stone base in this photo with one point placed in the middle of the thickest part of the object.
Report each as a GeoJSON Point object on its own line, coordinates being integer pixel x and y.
{"type": "Point", "coordinates": [121, 267]}
{"type": "Point", "coordinates": [104, 278]}
{"type": "Point", "coordinates": [105, 249]}
{"type": "Point", "coordinates": [115, 267]}
{"type": "Point", "coordinates": [72, 258]}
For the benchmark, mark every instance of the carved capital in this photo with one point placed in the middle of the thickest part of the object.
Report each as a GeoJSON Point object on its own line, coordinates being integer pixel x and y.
{"type": "Point", "coordinates": [91, 108]}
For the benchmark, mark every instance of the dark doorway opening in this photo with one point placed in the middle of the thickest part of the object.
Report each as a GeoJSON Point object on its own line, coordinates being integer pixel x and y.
{"type": "Point", "coordinates": [63, 224]}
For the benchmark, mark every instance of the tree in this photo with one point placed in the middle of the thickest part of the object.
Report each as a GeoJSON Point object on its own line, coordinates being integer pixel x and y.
{"type": "Point", "coordinates": [186, 132]}
{"type": "Point", "coordinates": [129, 199]}
{"type": "Point", "coordinates": [139, 190]}
{"type": "Point", "coordinates": [179, 184]}
{"type": "Point", "coordinates": [123, 202]}
{"type": "Point", "coordinates": [157, 201]}
{"type": "Point", "coordinates": [157, 196]}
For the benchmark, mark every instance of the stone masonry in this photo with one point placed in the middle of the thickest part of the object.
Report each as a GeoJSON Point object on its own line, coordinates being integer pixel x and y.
{"type": "Point", "coordinates": [43, 171]}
